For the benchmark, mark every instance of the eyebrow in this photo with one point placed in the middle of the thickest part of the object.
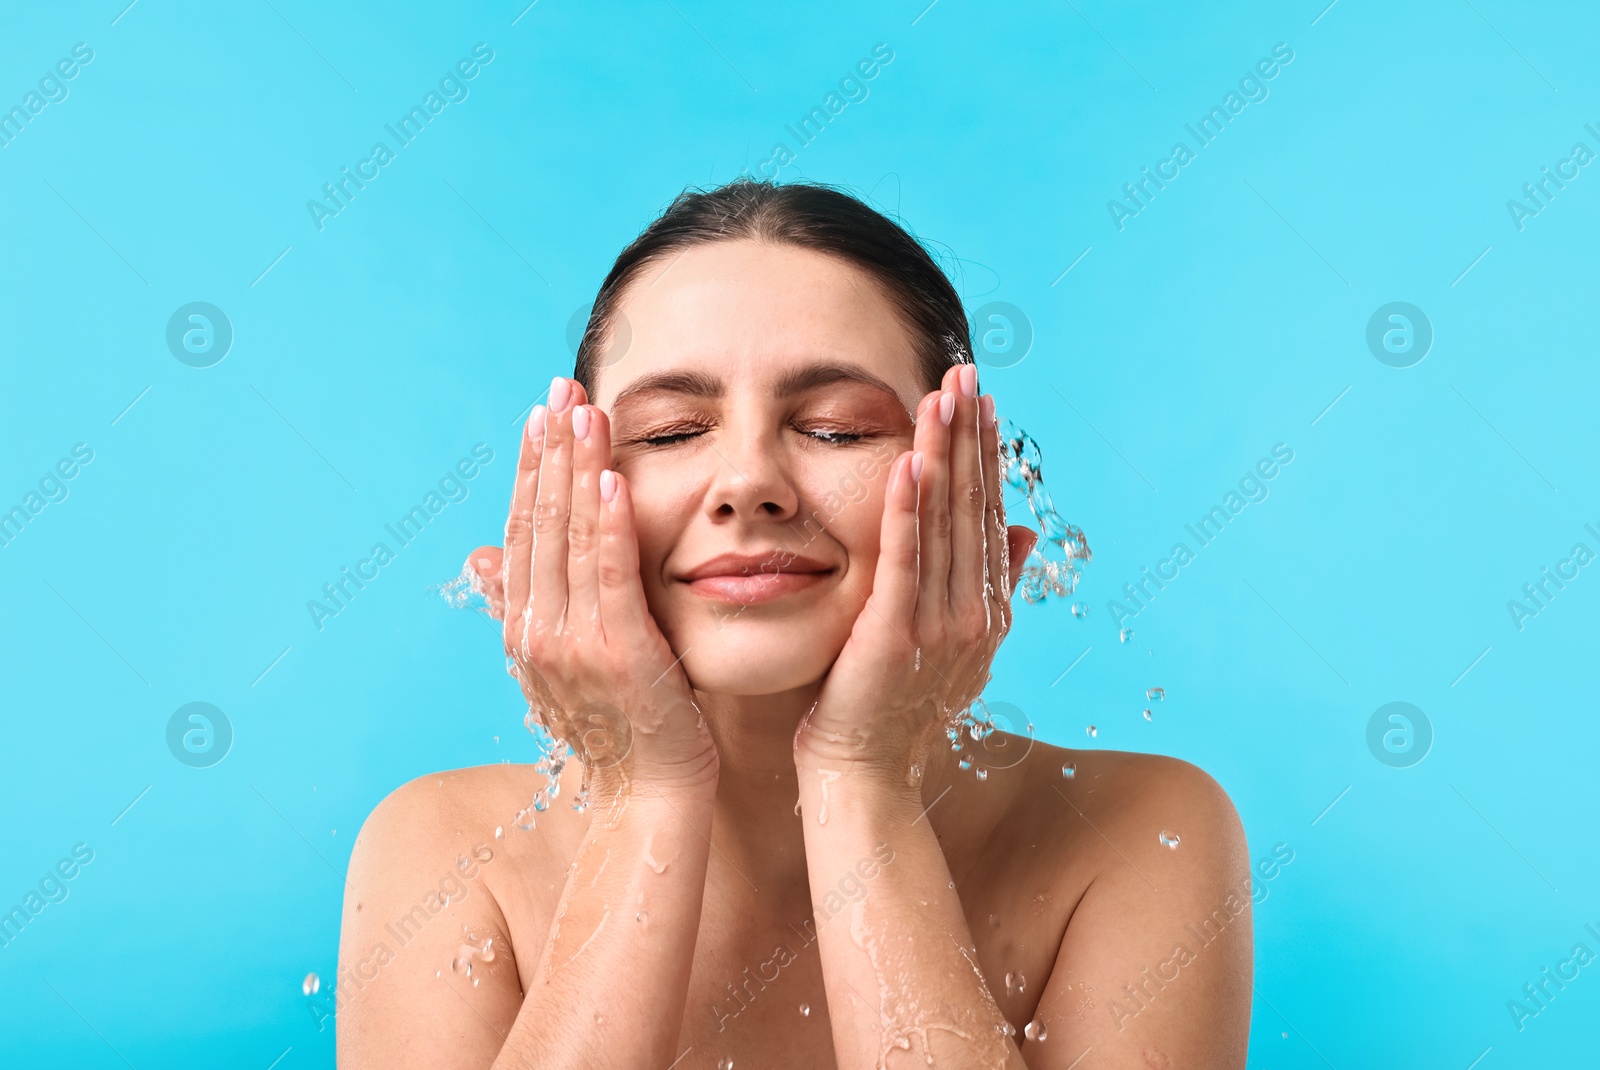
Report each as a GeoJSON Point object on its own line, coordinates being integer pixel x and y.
{"type": "Point", "coordinates": [797, 381]}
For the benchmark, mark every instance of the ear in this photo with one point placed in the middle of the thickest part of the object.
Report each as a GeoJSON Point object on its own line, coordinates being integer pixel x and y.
{"type": "Point", "coordinates": [1022, 542]}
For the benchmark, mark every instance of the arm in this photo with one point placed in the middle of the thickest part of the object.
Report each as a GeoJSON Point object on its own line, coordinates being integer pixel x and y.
{"type": "Point", "coordinates": [898, 962]}
{"type": "Point", "coordinates": [614, 973]}
{"type": "Point", "coordinates": [899, 967]}
{"type": "Point", "coordinates": [598, 673]}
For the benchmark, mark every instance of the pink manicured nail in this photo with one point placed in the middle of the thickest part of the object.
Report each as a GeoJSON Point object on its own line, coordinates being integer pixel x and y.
{"type": "Point", "coordinates": [560, 394]}
{"type": "Point", "coordinates": [947, 407]}
{"type": "Point", "coordinates": [580, 422]}
{"type": "Point", "coordinates": [916, 467]}
{"type": "Point", "coordinates": [536, 422]}
{"type": "Point", "coordinates": [608, 485]}
{"type": "Point", "coordinates": [968, 379]}
{"type": "Point", "coordinates": [986, 408]}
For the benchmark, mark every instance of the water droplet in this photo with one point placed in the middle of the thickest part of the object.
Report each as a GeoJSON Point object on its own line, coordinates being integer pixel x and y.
{"type": "Point", "coordinates": [1015, 982]}
{"type": "Point", "coordinates": [1080, 610]}
{"type": "Point", "coordinates": [333, 832]}
{"type": "Point", "coordinates": [797, 808]}
{"type": "Point", "coordinates": [805, 1010]}
{"type": "Point", "coordinates": [497, 741]}
{"type": "Point", "coordinates": [499, 832]}
{"type": "Point", "coordinates": [1169, 840]}
{"type": "Point", "coordinates": [1093, 731]}
{"type": "Point", "coordinates": [1156, 694]}
{"type": "Point", "coordinates": [1147, 713]}
{"type": "Point", "coordinates": [964, 764]}
{"type": "Point", "coordinates": [1034, 1030]}
{"type": "Point", "coordinates": [1069, 771]}
{"type": "Point", "coordinates": [641, 917]}
{"type": "Point", "coordinates": [914, 775]}
{"type": "Point", "coordinates": [725, 1063]}
{"type": "Point", "coordinates": [916, 666]}
{"type": "Point", "coordinates": [598, 1020]}
{"type": "Point", "coordinates": [311, 985]}
{"type": "Point", "coordinates": [994, 920]}
{"type": "Point", "coordinates": [1125, 634]}
{"type": "Point", "coordinates": [982, 774]}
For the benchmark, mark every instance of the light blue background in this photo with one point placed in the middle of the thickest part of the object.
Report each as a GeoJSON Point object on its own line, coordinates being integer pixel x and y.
{"type": "Point", "coordinates": [431, 313]}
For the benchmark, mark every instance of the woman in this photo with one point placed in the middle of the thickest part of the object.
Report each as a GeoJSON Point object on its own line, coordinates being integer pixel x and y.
{"type": "Point", "coordinates": [757, 553]}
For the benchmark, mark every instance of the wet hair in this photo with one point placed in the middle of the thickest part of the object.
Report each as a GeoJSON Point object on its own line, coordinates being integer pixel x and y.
{"type": "Point", "coordinates": [809, 215]}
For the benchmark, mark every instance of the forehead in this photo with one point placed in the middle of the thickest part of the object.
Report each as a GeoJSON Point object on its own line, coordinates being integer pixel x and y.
{"type": "Point", "coordinates": [755, 314]}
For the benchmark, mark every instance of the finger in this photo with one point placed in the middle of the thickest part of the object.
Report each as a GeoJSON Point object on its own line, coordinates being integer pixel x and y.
{"type": "Point", "coordinates": [932, 440]}
{"type": "Point", "coordinates": [592, 453]}
{"type": "Point", "coordinates": [997, 545]}
{"type": "Point", "coordinates": [485, 563]}
{"type": "Point", "coordinates": [894, 582]}
{"type": "Point", "coordinates": [551, 512]}
{"type": "Point", "coordinates": [968, 500]}
{"type": "Point", "coordinates": [623, 612]}
{"type": "Point", "coordinates": [516, 562]}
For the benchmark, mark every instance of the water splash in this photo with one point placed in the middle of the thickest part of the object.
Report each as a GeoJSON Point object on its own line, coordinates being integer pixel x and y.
{"type": "Point", "coordinates": [476, 953]}
{"type": "Point", "coordinates": [1055, 563]}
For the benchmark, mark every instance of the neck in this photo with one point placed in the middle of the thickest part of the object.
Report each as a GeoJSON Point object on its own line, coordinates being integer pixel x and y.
{"type": "Point", "coordinates": [755, 828]}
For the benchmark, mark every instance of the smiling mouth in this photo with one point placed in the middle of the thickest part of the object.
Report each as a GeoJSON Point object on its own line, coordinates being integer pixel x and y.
{"type": "Point", "coordinates": [755, 588]}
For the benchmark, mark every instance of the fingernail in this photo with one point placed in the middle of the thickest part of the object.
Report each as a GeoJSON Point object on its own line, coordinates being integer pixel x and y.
{"type": "Point", "coordinates": [986, 408]}
{"type": "Point", "coordinates": [947, 407]}
{"type": "Point", "coordinates": [916, 467]}
{"type": "Point", "coordinates": [968, 377]}
{"type": "Point", "coordinates": [560, 393]}
{"type": "Point", "coordinates": [608, 485]}
{"type": "Point", "coordinates": [580, 422]}
{"type": "Point", "coordinates": [536, 422]}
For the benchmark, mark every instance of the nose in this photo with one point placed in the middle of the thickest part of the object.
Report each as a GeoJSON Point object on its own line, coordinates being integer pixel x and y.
{"type": "Point", "coordinates": [752, 480]}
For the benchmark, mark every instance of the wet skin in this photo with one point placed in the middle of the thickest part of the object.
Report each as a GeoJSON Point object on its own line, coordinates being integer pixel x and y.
{"type": "Point", "coordinates": [697, 919]}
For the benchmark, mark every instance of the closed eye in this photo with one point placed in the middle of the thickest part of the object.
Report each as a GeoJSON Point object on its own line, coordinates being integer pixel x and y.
{"type": "Point", "coordinates": [836, 438]}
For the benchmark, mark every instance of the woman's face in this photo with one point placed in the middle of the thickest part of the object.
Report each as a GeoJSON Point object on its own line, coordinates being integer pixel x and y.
{"type": "Point", "coordinates": [754, 412]}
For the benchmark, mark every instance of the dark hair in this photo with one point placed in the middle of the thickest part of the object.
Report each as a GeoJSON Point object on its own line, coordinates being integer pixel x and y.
{"type": "Point", "coordinates": [810, 215]}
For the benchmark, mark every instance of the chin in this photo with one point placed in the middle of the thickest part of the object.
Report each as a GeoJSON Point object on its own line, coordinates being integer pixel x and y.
{"type": "Point", "coordinates": [749, 658]}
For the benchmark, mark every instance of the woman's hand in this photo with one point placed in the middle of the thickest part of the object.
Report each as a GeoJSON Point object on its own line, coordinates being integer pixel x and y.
{"type": "Point", "coordinates": [920, 650]}
{"type": "Point", "coordinates": [579, 637]}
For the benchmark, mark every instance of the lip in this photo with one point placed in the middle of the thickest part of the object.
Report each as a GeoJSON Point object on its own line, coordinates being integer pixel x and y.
{"type": "Point", "coordinates": [748, 579]}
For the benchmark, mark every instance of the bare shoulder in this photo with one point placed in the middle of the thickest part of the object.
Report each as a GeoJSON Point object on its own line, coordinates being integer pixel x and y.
{"type": "Point", "coordinates": [1155, 958]}
{"type": "Point", "coordinates": [423, 903]}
